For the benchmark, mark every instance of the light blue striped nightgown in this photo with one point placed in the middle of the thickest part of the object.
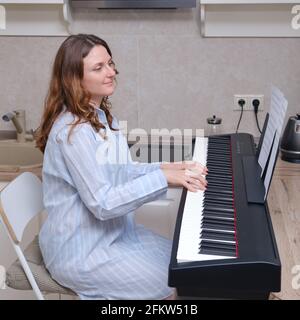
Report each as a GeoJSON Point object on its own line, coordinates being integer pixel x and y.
{"type": "Point", "coordinates": [89, 241]}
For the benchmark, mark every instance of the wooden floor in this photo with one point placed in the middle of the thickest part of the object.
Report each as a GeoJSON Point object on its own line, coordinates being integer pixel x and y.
{"type": "Point", "coordinates": [284, 206]}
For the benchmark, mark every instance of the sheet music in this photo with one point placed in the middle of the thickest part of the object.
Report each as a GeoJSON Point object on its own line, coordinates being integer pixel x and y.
{"type": "Point", "coordinates": [275, 124]}
{"type": "Point", "coordinates": [271, 164]}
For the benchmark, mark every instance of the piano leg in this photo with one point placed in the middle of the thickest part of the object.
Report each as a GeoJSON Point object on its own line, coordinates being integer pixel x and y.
{"type": "Point", "coordinates": [199, 293]}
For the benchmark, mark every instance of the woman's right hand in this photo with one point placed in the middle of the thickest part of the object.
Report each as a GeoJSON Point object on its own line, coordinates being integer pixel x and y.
{"type": "Point", "coordinates": [193, 181]}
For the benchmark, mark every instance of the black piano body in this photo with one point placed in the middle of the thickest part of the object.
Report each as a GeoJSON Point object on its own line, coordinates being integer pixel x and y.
{"type": "Point", "coordinates": [257, 270]}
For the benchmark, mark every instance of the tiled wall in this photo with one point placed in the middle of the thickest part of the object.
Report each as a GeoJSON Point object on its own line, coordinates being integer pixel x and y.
{"type": "Point", "coordinates": [170, 77]}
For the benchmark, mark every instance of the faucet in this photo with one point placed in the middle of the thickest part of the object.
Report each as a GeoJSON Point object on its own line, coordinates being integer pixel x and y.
{"type": "Point", "coordinates": [18, 119]}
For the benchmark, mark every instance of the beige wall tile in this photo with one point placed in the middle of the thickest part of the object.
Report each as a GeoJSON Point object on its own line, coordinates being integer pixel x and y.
{"type": "Point", "coordinates": [169, 76]}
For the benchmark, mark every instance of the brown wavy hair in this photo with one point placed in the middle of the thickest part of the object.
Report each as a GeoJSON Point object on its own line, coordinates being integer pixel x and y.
{"type": "Point", "coordinates": [66, 88]}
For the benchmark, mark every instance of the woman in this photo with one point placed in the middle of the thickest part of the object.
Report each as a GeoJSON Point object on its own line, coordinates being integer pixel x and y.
{"type": "Point", "coordinates": [89, 241]}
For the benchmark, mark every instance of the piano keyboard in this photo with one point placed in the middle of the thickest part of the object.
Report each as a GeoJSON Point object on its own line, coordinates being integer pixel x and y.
{"type": "Point", "coordinates": [208, 227]}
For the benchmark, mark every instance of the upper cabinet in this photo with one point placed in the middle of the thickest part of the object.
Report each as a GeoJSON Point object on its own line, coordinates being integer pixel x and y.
{"type": "Point", "coordinates": [35, 18]}
{"type": "Point", "coordinates": [250, 18]}
{"type": "Point", "coordinates": [219, 18]}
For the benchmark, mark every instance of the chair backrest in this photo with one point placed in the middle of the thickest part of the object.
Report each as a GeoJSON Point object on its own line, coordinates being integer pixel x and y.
{"type": "Point", "coordinates": [20, 201]}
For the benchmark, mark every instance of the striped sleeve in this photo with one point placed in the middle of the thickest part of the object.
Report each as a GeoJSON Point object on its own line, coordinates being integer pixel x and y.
{"type": "Point", "coordinates": [99, 195]}
{"type": "Point", "coordinates": [136, 169]}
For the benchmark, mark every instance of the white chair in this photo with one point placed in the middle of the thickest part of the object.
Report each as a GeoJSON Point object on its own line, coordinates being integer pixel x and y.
{"type": "Point", "coordinates": [20, 201]}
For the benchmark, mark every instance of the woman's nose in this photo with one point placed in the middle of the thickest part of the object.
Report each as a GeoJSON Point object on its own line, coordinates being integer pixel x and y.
{"type": "Point", "coordinates": [111, 70]}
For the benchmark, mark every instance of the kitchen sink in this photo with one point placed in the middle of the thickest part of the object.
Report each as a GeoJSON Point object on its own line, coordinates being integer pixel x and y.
{"type": "Point", "coordinates": [16, 156]}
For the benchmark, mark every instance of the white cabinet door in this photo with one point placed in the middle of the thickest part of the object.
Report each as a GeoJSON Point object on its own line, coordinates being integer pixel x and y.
{"type": "Point", "coordinates": [160, 215]}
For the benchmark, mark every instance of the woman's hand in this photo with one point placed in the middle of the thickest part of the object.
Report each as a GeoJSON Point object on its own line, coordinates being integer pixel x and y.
{"type": "Point", "coordinates": [185, 165]}
{"type": "Point", "coordinates": [187, 173]}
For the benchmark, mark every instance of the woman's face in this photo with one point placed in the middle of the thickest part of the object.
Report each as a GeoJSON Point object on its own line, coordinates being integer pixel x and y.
{"type": "Point", "coordinates": [99, 74]}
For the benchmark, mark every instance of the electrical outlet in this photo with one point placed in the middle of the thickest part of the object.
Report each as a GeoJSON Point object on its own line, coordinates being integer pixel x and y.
{"type": "Point", "coordinates": [236, 99]}
{"type": "Point", "coordinates": [248, 106]}
{"type": "Point", "coordinates": [260, 98]}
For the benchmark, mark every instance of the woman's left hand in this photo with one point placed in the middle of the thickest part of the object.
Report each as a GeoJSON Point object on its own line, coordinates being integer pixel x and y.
{"type": "Point", "coordinates": [193, 167]}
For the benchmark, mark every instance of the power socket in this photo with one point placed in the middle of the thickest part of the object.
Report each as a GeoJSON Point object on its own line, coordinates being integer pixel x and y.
{"type": "Point", "coordinates": [260, 98]}
{"type": "Point", "coordinates": [248, 106]}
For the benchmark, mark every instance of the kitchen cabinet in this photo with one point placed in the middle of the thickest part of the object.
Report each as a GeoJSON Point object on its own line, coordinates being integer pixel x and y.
{"type": "Point", "coordinates": [35, 18]}
{"type": "Point", "coordinates": [250, 18]}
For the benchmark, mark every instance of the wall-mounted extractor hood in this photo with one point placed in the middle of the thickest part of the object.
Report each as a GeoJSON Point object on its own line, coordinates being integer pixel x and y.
{"type": "Point", "coordinates": [133, 4]}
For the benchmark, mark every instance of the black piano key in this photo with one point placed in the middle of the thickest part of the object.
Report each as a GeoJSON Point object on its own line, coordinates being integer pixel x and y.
{"type": "Point", "coordinates": [216, 208]}
{"type": "Point", "coordinates": [218, 192]}
{"type": "Point", "coordinates": [216, 160]}
{"type": "Point", "coordinates": [218, 244]}
{"type": "Point", "coordinates": [208, 209]}
{"type": "Point", "coordinates": [217, 157]}
{"type": "Point", "coordinates": [218, 252]}
{"type": "Point", "coordinates": [217, 187]}
{"type": "Point", "coordinates": [221, 152]}
{"type": "Point", "coordinates": [215, 170]}
{"type": "Point", "coordinates": [218, 170]}
{"type": "Point", "coordinates": [218, 197]}
{"type": "Point", "coordinates": [217, 214]}
{"type": "Point", "coordinates": [220, 180]}
{"type": "Point", "coordinates": [217, 235]}
{"type": "Point", "coordinates": [217, 150]}
{"type": "Point", "coordinates": [220, 203]}
{"type": "Point", "coordinates": [215, 226]}
{"type": "Point", "coordinates": [222, 175]}
{"type": "Point", "coordinates": [214, 186]}
{"type": "Point", "coordinates": [221, 155]}
{"type": "Point", "coordinates": [217, 203]}
{"type": "Point", "coordinates": [208, 196]}
{"type": "Point", "coordinates": [219, 220]}
{"type": "Point", "coordinates": [215, 252]}
{"type": "Point", "coordinates": [215, 144]}
{"type": "Point", "coordinates": [210, 244]}
{"type": "Point", "coordinates": [219, 139]}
